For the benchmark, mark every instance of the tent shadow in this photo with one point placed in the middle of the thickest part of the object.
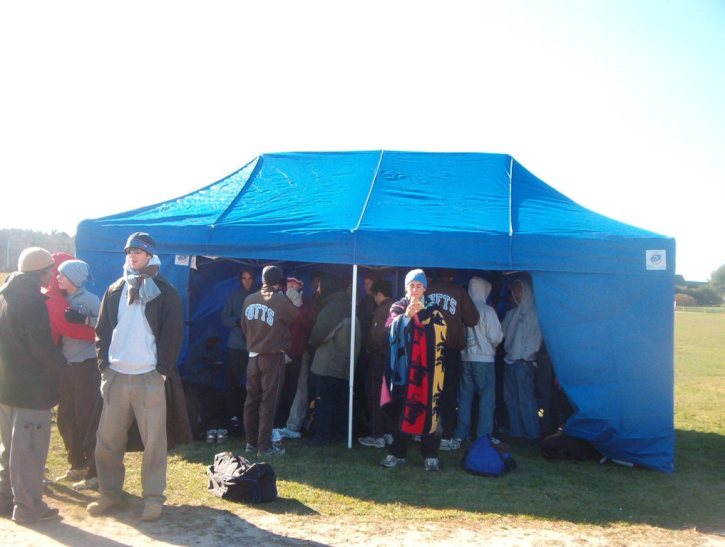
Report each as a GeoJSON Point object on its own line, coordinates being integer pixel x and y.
{"type": "Point", "coordinates": [179, 525]}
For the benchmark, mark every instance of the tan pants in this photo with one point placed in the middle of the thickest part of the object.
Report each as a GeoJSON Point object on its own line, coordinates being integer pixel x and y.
{"type": "Point", "coordinates": [125, 397]}
{"type": "Point", "coordinates": [24, 443]}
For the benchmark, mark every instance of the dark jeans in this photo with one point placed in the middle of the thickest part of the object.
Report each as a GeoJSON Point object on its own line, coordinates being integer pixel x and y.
{"type": "Point", "coordinates": [330, 408]}
{"type": "Point", "coordinates": [237, 360]}
{"type": "Point", "coordinates": [449, 394]}
{"type": "Point", "coordinates": [429, 444]}
{"type": "Point", "coordinates": [373, 385]}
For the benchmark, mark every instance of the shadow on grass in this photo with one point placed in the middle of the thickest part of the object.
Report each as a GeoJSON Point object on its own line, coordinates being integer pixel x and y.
{"type": "Point", "coordinates": [577, 492]}
{"type": "Point", "coordinates": [179, 524]}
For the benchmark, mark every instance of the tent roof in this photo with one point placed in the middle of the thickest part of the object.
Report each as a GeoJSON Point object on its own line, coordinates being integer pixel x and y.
{"type": "Point", "coordinates": [384, 207]}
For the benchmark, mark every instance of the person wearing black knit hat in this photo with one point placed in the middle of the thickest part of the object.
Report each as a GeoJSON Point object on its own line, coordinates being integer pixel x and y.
{"type": "Point", "coordinates": [30, 367]}
{"type": "Point", "coordinates": [268, 315]}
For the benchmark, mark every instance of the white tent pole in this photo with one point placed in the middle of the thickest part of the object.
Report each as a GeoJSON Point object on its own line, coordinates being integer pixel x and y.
{"type": "Point", "coordinates": [352, 354]}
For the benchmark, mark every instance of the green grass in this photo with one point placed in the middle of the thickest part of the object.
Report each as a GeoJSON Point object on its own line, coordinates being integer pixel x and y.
{"type": "Point", "coordinates": [336, 482]}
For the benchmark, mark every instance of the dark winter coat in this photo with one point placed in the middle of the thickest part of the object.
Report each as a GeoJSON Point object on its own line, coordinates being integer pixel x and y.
{"type": "Point", "coordinates": [30, 364]}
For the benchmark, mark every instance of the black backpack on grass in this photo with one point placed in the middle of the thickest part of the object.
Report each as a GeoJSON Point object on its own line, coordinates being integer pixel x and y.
{"type": "Point", "coordinates": [235, 478]}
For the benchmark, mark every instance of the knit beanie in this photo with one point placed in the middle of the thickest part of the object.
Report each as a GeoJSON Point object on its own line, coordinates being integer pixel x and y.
{"type": "Point", "coordinates": [272, 275]}
{"type": "Point", "coordinates": [34, 259]}
{"type": "Point", "coordinates": [141, 240]}
{"type": "Point", "coordinates": [76, 271]}
{"type": "Point", "coordinates": [416, 275]}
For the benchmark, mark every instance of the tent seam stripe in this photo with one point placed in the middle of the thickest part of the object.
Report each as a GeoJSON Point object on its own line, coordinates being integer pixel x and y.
{"type": "Point", "coordinates": [370, 192]}
{"type": "Point", "coordinates": [239, 194]}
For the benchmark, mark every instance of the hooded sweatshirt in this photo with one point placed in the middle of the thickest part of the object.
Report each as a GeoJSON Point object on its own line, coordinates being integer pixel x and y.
{"type": "Point", "coordinates": [486, 335]}
{"type": "Point", "coordinates": [521, 328]}
{"type": "Point", "coordinates": [57, 304]}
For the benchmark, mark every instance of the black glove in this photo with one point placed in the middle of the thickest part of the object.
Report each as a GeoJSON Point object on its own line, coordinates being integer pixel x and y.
{"type": "Point", "coordinates": [73, 316]}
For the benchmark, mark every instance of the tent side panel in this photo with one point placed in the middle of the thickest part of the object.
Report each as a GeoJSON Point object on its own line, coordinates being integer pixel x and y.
{"type": "Point", "coordinates": [611, 342]}
{"type": "Point", "coordinates": [602, 254]}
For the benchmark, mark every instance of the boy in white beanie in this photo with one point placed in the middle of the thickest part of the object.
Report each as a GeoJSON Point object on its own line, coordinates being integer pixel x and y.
{"type": "Point", "coordinates": [81, 381]}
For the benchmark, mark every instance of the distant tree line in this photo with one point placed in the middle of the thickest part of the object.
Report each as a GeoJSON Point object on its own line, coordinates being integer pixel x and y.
{"type": "Point", "coordinates": [13, 241]}
{"type": "Point", "coordinates": [710, 293]}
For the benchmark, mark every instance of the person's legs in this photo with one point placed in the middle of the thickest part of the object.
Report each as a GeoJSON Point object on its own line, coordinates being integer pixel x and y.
{"type": "Point", "coordinates": [511, 395]}
{"type": "Point", "coordinates": [373, 385]}
{"type": "Point", "coordinates": [116, 418]}
{"type": "Point", "coordinates": [148, 399]}
{"type": "Point", "coordinates": [236, 373]}
{"type": "Point", "coordinates": [399, 446]}
{"type": "Point", "coordinates": [449, 394]}
{"type": "Point", "coordinates": [466, 389]}
{"type": "Point", "coordinates": [66, 416]}
{"type": "Point", "coordinates": [87, 386]}
{"type": "Point", "coordinates": [528, 409]}
{"type": "Point", "coordinates": [429, 445]}
{"type": "Point", "coordinates": [28, 452]}
{"type": "Point", "coordinates": [288, 391]}
{"type": "Point", "coordinates": [301, 401]}
{"type": "Point", "coordinates": [251, 405]}
{"type": "Point", "coordinates": [271, 369]}
{"type": "Point", "coordinates": [6, 434]}
{"type": "Point", "coordinates": [486, 383]}
{"type": "Point", "coordinates": [339, 390]}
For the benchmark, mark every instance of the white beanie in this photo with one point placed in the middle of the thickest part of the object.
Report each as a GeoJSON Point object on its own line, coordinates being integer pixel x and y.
{"type": "Point", "coordinates": [76, 271]}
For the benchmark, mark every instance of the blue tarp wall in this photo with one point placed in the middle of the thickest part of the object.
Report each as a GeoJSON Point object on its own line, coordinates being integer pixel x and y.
{"type": "Point", "coordinates": [604, 290]}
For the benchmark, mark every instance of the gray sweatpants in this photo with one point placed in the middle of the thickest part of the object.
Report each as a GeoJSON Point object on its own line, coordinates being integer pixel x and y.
{"type": "Point", "coordinates": [24, 443]}
{"type": "Point", "coordinates": [126, 396]}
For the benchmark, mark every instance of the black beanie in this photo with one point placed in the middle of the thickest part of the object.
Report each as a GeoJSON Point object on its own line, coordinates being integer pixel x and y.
{"type": "Point", "coordinates": [272, 275]}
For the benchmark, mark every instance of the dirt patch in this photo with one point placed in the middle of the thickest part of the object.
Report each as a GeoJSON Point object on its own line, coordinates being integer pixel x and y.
{"type": "Point", "coordinates": [205, 526]}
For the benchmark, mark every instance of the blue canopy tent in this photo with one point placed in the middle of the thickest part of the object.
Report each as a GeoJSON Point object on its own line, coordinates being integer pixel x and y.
{"type": "Point", "coordinates": [604, 289]}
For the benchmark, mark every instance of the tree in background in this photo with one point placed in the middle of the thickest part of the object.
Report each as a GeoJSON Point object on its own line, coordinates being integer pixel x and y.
{"type": "Point", "coordinates": [717, 280]}
{"type": "Point", "coordinates": [13, 241]}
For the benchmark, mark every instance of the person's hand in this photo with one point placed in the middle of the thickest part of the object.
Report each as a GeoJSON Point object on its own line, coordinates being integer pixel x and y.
{"type": "Point", "coordinates": [75, 317]}
{"type": "Point", "coordinates": [414, 307]}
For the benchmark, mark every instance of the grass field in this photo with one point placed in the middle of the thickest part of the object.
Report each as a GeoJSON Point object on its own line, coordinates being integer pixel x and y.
{"type": "Point", "coordinates": [338, 483]}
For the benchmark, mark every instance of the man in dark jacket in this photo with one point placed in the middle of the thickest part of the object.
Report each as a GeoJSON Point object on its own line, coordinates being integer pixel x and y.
{"type": "Point", "coordinates": [459, 312]}
{"type": "Point", "coordinates": [268, 315]}
{"type": "Point", "coordinates": [30, 367]}
{"type": "Point", "coordinates": [330, 337]}
{"type": "Point", "coordinates": [138, 339]}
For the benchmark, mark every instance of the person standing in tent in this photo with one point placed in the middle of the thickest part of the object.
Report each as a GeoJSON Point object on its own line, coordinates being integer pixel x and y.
{"type": "Point", "coordinates": [478, 375]}
{"type": "Point", "coordinates": [30, 369]}
{"type": "Point", "coordinates": [237, 354]}
{"type": "Point", "coordinates": [415, 378]}
{"type": "Point", "coordinates": [80, 382]}
{"type": "Point", "coordinates": [330, 338]}
{"type": "Point", "coordinates": [522, 340]}
{"type": "Point", "coordinates": [459, 312]}
{"type": "Point", "coordinates": [138, 340]}
{"type": "Point", "coordinates": [268, 315]}
{"type": "Point", "coordinates": [378, 347]}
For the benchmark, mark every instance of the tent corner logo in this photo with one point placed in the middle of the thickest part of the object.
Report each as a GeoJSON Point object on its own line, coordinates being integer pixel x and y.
{"type": "Point", "coordinates": [656, 260]}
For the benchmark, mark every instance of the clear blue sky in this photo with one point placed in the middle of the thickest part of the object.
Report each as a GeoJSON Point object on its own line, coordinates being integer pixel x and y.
{"type": "Point", "coordinates": [106, 107]}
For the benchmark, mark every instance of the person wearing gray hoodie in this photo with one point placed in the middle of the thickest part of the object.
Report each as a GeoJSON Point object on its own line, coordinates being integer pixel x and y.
{"type": "Point", "coordinates": [523, 339]}
{"type": "Point", "coordinates": [478, 375]}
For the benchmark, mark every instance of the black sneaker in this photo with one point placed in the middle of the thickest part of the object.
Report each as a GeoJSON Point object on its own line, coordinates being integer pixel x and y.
{"type": "Point", "coordinates": [50, 513]}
